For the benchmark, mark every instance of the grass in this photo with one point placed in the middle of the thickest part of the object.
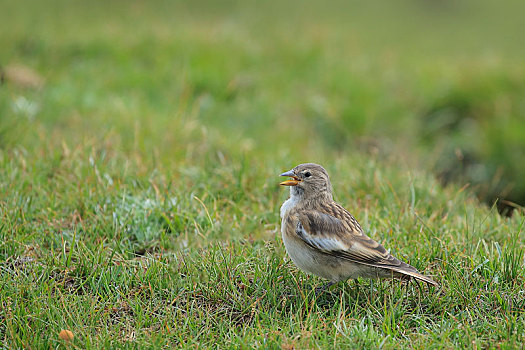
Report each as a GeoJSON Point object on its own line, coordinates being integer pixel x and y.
{"type": "Point", "coordinates": [139, 204]}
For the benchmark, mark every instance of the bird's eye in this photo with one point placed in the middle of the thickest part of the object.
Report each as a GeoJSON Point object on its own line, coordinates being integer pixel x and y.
{"type": "Point", "coordinates": [307, 174]}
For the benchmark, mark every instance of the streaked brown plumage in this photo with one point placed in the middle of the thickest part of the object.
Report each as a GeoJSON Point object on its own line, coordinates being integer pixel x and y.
{"type": "Point", "coordinates": [323, 238]}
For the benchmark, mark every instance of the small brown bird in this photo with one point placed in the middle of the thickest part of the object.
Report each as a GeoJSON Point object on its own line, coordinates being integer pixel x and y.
{"type": "Point", "coordinates": [323, 238]}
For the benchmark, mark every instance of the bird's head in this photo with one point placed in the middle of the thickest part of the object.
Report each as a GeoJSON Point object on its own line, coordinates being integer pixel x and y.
{"type": "Point", "coordinates": [309, 181]}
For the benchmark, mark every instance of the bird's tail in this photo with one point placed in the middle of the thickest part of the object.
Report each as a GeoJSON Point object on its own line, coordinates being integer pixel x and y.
{"type": "Point", "coordinates": [417, 276]}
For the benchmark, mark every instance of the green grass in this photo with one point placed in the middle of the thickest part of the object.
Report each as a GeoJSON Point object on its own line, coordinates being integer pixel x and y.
{"type": "Point", "coordinates": [139, 204]}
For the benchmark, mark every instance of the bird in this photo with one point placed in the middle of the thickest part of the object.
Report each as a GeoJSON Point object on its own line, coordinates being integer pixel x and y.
{"type": "Point", "coordinates": [323, 238]}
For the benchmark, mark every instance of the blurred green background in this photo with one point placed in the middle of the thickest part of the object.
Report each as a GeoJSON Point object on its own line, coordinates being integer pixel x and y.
{"type": "Point", "coordinates": [439, 84]}
{"type": "Point", "coordinates": [140, 147]}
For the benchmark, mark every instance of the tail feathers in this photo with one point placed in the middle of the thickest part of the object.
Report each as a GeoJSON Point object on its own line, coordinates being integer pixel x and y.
{"type": "Point", "coordinates": [418, 276]}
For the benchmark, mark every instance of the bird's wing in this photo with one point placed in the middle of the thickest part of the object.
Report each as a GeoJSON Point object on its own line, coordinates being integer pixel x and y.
{"type": "Point", "coordinates": [343, 239]}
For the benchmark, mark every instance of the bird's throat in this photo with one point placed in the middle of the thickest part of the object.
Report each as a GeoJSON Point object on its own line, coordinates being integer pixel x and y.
{"type": "Point", "coordinates": [296, 191]}
{"type": "Point", "coordinates": [298, 194]}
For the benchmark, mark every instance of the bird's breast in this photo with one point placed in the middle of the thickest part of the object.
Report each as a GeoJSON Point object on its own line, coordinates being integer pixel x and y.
{"type": "Point", "coordinates": [288, 205]}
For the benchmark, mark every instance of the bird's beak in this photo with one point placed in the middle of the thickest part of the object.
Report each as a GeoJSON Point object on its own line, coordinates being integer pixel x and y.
{"type": "Point", "coordinates": [292, 182]}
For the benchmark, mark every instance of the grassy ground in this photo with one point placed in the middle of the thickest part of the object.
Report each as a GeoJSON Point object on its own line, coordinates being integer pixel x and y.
{"type": "Point", "coordinates": [138, 189]}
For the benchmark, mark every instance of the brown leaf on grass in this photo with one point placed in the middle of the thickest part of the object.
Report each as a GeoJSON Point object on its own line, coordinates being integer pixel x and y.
{"type": "Point", "coordinates": [66, 335]}
{"type": "Point", "coordinates": [287, 346]}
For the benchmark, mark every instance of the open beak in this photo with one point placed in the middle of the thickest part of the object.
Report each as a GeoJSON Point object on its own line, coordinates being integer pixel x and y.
{"type": "Point", "coordinates": [293, 181]}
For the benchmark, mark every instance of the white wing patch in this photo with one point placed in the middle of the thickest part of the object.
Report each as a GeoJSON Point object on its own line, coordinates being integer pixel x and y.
{"type": "Point", "coordinates": [353, 249]}
{"type": "Point", "coordinates": [321, 241]}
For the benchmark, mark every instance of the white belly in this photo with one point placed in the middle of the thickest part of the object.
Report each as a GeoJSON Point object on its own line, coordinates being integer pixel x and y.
{"type": "Point", "coordinates": [298, 251]}
{"type": "Point", "coordinates": [313, 262]}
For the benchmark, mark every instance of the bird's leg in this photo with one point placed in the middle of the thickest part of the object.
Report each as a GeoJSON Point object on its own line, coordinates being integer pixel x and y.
{"type": "Point", "coordinates": [321, 289]}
